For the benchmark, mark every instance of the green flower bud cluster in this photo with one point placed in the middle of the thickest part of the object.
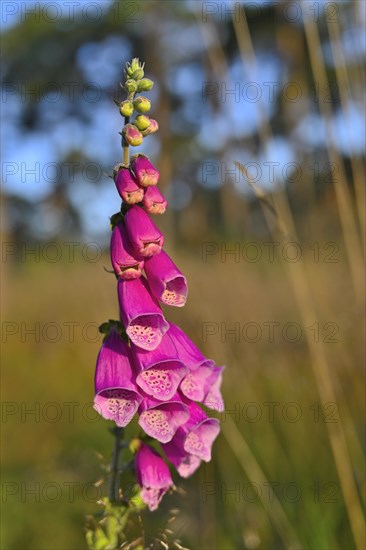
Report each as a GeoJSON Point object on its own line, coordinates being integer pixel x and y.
{"type": "Point", "coordinates": [135, 82]}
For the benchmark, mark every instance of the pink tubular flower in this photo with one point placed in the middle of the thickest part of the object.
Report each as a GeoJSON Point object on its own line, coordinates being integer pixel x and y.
{"type": "Point", "coordinates": [166, 282]}
{"type": "Point", "coordinates": [161, 419]}
{"type": "Point", "coordinates": [127, 187]}
{"type": "Point", "coordinates": [141, 316]}
{"type": "Point", "coordinates": [125, 265]}
{"type": "Point", "coordinates": [203, 385]}
{"type": "Point", "coordinates": [116, 394]}
{"type": "Point", "coordinates": [185, 463]}
{"type": "Point", "coordinates": [199, 433]}
{"type": "Point", "coordinates": [153, 201]}
{"type": "Point", "coordinates": [153, 476]}
{"type": "Point", "coordinates": [188, 352]}
{"type": "Point", "coordinates": [160, 371]}
{"type": "Point", "coordinates": [145, 237]}
{"type": "Point", "coordinates": [145, 172]}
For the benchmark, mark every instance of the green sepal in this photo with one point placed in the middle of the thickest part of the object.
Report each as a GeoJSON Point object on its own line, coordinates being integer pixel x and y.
{"type": "Point", "coordinates": [107, 326]}
{"type": "Point", "coordinates": [116, 219]}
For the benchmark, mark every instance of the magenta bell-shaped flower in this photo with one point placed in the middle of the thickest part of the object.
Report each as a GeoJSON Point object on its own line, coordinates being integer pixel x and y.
{"type": "Point", "coordinates": [153, 201]}
{"type": "Point", "coordinates": [116, 394]}
{"type": "Point", "coordinates": [199, 433]}
{"type": "Point", "coordinates": [161, 419]}
{"type": "Point", "coordinates": [141, 316]}
{"type": "Point", "coordinates": [188, 352]}
{"type": "Point", "coordinates": [144, 236]}
{"type": "Point", "coordinates": [185, 463]}
{"type": "Point", "coordinates": [153, 476]}
{"type": "Point", "coordinates": [166, 282]}
{"type": "Point", "coordinates": [145, 172]}
{"type": "Point", "coordinates": [125, 265]}
{"type": "Point", "coordinates": [127, 187]}
{"type": "Point", "coordinates": [203, 385]}
{"type": "Point", "coordinates": [160, 371]}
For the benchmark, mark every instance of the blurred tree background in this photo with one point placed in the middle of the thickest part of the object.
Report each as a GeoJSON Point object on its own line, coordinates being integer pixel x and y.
{"type": "Point", "coordinates": [275, 86]}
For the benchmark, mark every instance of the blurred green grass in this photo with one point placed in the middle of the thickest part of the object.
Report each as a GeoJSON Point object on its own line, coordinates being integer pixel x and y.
{"type": "Point", "coordinates": [219, 508]}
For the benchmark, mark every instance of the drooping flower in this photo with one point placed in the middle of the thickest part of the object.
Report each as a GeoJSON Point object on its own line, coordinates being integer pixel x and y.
{"type": "Point", "coordinates": [198, 433]}
{"type": "Point", "coordinates": [145, 172]}
{"type": "Point", "coordinates": [153, 201]}
{"type": "Point", "coordinates": [188, 352]}
{"type": "Point", "coordinates": [185, 463]}
{"type": "Point", "coordinates": [161, 419]}
{"type": "Point", "coordinates": [145, 237]}
{"type": "Point", "coordinates": [141, 316]}
{"type": "Point", "coordinates": [116, 394]}
{"type": "Point", "coordinates": [166, 282]}
{"type": "Point", "coordinates": [124, 263]}
{"type": "Point", "coordinates": [153, 476]}
{"type": "Point", "coordinates": [203, 385]}
{"type": "Point", "coordinates": [160, 370]}
{"type": "Point", "coordinates": [127, 187]}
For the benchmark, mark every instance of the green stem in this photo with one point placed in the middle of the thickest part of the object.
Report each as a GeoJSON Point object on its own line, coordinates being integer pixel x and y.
{"type": "Point", "coordinates": [115, 471]}
{"type": "Point", "coordinates": [125, 146]}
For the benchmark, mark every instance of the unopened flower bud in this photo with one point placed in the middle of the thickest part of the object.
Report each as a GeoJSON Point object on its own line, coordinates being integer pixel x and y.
{"type": "Point", "coordinates": [130, 86]}
{"type": "Point", "coordinates": [132, 135]}
{"type": "Point", "coordinates": [126, 108]}
{"type": "Point", "coordinates": [142, 122]}
{"type": "Point", "coordinates": [133, 66]}
{"type": "Point", "coordinates": [145, 85]}
{"type": "Point", "coordinates": [138, 74]}
{"type": "Point", "coordinates": [142, 104]}
{"type": "Point", "coordinates": [151, 129]}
